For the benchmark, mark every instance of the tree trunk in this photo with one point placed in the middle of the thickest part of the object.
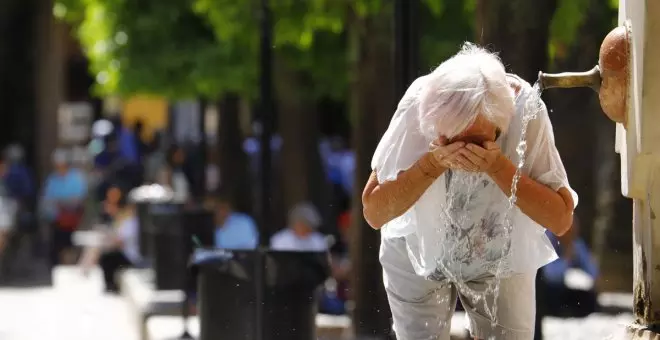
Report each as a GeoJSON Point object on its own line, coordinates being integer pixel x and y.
{"type": "Point", "coordinates": [302, 175]}
{"type": "Point", "coordinates": [24, 68]}
{"type": "Point", "coordinates": [373, 102]}
{"type": "Point", "coordinates": [519, 31]}
{"type": "Point", "coordinates": [233, 162]}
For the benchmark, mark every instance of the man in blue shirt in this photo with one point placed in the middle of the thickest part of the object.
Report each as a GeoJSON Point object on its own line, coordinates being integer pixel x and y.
{"type": "Point", "coordinates": [573, 254]}
{"type": "Point", "coordinates": [234, 230]}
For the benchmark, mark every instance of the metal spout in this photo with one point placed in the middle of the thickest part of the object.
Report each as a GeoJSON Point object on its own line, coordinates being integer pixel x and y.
{"type": "Point", "coordinates": [589, 78]}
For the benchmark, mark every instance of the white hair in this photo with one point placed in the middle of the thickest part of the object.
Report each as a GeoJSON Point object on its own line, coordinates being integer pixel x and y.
{"type": "Point", "coordinates": [305, 212]}
{"type": "Point", "coordinates": [61, 156]}
{"type": "Point", "coordinates": [470, 83]}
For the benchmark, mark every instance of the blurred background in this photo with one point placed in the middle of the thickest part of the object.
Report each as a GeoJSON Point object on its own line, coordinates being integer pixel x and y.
{"type": "Point", "coordinates": [255, 121]}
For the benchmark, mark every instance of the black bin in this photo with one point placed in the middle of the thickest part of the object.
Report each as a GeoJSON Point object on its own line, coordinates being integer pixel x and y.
{"type": "Point", "coordinates": [241, 292]}
{"type": "Point", "coordinates": [143, 197]}
{"type": "Point", "coordinates": [172, 231]}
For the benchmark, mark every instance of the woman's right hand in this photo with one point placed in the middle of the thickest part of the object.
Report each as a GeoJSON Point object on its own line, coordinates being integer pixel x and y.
{"type": "Point", "coordinates": [448, 155]}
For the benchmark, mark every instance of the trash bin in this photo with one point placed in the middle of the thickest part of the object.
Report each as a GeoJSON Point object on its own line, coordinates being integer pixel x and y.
{"type": "Point", "coordinates": [172, 233]}
{"type": "Point", "coordinates": [242, 292]}
{"type": "Point", "coordinates": [143, 197]}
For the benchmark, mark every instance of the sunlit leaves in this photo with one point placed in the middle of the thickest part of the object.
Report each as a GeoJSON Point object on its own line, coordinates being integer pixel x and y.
{"type": "Point", "coordinates": [565, 25]}
{"type": "Point", "coordinates": [182, 48]}
{"type": "Point", "coordinates": [445, 25]}
{"type": "Point", "coordinates": [160, 47]}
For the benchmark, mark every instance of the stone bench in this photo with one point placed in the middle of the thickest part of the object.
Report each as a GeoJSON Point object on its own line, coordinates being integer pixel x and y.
{"type": "Point", "coordinates": [329, 327]}
{"type": "Point", "coordinates": [137, 287]}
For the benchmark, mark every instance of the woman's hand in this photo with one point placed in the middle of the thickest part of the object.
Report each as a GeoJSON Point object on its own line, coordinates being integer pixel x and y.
{"type": "Point", "coordinates": [488, 159]}
{"type": "Point", "coordinates": [447, 155]}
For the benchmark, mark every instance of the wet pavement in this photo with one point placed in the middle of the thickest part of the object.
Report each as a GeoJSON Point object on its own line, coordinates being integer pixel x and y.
{"type": "Point", "coordinates": [76, 309]}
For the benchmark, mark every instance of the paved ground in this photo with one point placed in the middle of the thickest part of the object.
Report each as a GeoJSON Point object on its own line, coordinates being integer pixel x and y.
{"type": "Point", "coordinates": [70, 311]}
{"type": "Point", "coordinates": [75, 309]}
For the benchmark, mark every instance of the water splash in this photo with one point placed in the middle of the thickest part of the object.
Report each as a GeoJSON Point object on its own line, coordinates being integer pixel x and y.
{"type": "Point", "coordinates": [470, 182]}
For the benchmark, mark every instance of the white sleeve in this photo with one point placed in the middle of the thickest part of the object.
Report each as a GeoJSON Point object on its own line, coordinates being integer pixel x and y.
{"type": "Point", "coordinates": [277, 242]}
{"type": "Point", "coordinates": [544, 162]}
{"type": "Point", "coordinates": [128, 229]}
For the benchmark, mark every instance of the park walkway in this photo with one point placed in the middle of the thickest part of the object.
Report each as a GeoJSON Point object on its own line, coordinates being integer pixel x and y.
{"type": "Point", "coordinates": [76, 309]}
{"type": "Point", "coordinates": [70, 310]}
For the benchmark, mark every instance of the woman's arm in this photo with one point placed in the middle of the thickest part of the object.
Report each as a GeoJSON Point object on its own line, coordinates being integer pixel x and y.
{"type": "Point", "coordinates": [384, 202]}
{"type": "Point", "coordinates": [551, 209]}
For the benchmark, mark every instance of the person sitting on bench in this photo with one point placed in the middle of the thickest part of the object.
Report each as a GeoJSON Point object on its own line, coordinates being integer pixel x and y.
{"type": "Point", "coordinates": [301, 234]}
{"type": "Point", "coordinates": [563, 299]}
{"type": "Point", "coordinates": [122, 249]}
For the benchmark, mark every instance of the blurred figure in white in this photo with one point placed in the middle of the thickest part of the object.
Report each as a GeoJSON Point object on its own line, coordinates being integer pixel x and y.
{"type": "Point", "coordinates": [122, 246]}
{"type": "Point", "coordinates": [175, 175]}
{"type": "Point", "coordinates": [301, 234]}
{"type": "Point", "coordinates": [7, 212]}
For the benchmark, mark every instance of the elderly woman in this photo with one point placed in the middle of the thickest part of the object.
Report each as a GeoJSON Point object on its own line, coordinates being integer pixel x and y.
{"type": "Point", "coordinates": [301, 234]}
{"type": "Point", "coordinates": [442, 175]}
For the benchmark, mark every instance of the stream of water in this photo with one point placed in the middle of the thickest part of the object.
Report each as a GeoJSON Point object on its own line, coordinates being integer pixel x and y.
{"type": "Point", "coordinates": [450, 265]}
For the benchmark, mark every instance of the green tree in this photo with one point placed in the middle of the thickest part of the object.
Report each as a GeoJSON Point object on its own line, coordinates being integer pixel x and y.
{"type": "Point", "coordinates": [309, 64]}
{"type": "Point", "coordinates": [165, 48]}
{"type": "Point", "coordinates": [158, 47]}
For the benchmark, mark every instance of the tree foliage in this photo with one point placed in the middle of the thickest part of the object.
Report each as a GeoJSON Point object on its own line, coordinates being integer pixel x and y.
{"type": "Point", "coordinates": [445, 25]}
{"type": "Point", "coordinates": [160, 47]}
{"type": "Point", "coordinates": [566, 23]}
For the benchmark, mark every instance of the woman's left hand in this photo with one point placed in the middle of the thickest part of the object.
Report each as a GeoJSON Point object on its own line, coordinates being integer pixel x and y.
{"type": "Point", "coordinates": [488, 158]}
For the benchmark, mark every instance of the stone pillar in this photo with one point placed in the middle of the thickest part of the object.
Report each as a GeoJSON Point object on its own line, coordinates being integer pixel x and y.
{"type": "Point", "coordinates": [639, 146]}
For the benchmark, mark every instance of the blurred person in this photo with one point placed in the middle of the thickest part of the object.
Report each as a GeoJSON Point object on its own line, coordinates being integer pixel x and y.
{"type": "Point", "coordinates": [127, 140]}
{"type": "Point", "coordinates": [141, 144]}
{"type": "Point", "coordinates": [19, 179]}
{"type": "Point", "coordinates": [337, 288]}
{"type": "Point", "coordinates": [62, 201]}
{"type": "Point", "coordinates": [112, 165]}
{"type": "Point", "coordinates": [17, 196]}
{"type": "Point", "coordinates": [175, 175]}
{"type": "Point", "coordinates": [110, 204]}
{"type": "Point", "coordinates": [156, 158]}
{"type": "Point", "coordinates": [7, 214]}
{"type": "Point", "coordinates": [234, 230]}
{"type": "Point", "coordinates": [442, 175]}
{"type": "Point", "coordinates": [301, 233]}
{"type": "Point", "coordinates": [562, 300]}
{"type": "Point", "coordinates": [122, 244]}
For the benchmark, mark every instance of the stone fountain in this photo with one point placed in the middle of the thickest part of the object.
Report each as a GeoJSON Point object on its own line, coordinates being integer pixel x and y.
{"type": "Point", "coordinates": [627, 79]}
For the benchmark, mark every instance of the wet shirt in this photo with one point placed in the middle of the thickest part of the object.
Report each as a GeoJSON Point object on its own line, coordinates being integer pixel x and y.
{"type": "Point", "coordinates": [475, 237]}
{"type": "Point", "coordinates": [458, 226]}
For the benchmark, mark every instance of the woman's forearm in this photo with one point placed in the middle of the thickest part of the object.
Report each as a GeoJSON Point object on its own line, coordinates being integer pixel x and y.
{"type": "Point", "coordinates": [551, 209]}
{"type": "Point", "coordinates": [384, 202]}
